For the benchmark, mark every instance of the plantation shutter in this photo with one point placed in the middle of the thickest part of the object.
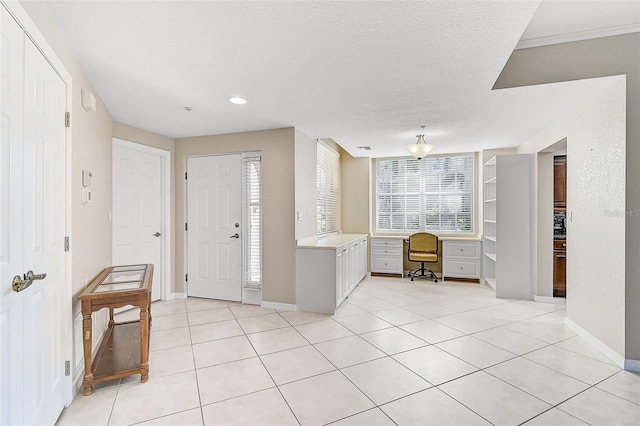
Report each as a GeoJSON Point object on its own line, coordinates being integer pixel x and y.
{"type": "Point", "coordinates": [435, 194]}
{"type": "Point", "coordinates": [252, 207]}
{"type": "Point", "coordinates": [328, 189]}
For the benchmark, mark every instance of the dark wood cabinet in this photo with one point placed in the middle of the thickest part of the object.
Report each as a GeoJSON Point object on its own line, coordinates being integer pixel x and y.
{"type": "Point", "coordinates": [560, 268]}
{"type": "Point", "coordinates": [560, 181]}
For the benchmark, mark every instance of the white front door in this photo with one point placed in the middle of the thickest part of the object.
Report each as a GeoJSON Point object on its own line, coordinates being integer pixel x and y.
{"type": "Point", "coordinates": [32, 229]}
{"type": "Point", "coordinates": [137, 210]}
{"type": "Point", "coordinates": [214, 218]}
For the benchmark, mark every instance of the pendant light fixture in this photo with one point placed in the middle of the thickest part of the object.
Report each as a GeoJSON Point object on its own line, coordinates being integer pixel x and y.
{"type": "Point", "coordinates": [421, 148]}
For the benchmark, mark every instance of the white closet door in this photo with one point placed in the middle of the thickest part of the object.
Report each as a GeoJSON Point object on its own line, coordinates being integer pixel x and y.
{"type": "Point", "coordinates": [33, 206]}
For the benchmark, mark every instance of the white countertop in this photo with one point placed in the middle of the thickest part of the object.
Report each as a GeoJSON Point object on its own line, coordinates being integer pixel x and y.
{"type": "Point", "coordinates": [331, 242]}
{"type": "Point", "coordinates": [443, 238]}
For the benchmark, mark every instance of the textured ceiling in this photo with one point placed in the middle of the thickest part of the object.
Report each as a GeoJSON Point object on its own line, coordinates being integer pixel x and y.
{"type": "Point", "coordinates": [361, 73]}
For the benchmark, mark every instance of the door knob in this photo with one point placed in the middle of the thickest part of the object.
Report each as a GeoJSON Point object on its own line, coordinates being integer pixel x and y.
{"type": "Point", "coordinates": [157, 234]}
{"type": "Point", "coordinates": [235, 236]}
{"type": "Point", "coordinates": [18, 284]}
{"type": "Point", "coordinates": [31, 276]}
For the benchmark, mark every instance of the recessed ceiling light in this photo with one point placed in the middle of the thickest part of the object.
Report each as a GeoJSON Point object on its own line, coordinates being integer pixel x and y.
{"type": "Point", "coordinates": [237, 100]}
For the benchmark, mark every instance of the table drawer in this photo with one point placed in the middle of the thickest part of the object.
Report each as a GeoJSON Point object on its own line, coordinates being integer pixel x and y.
{"type": "Point", "coordinates": [386, 251]}
{"type": "Point", "coordinates": [386, 242]}
{"type": "Point", "coordinates": [469, 250]}
{"type": "Point", "coordinates": [386, 264]}
{"type": "Point", "coordinates": [462, 268]}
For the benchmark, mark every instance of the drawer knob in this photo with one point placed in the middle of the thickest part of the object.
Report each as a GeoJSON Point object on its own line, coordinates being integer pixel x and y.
{"type": "Point", "coordinates": [385, 263]}
{"type": "Point", "coordinates": [461, 249]}
{"type": "Point", "coordinates": [461, 268]}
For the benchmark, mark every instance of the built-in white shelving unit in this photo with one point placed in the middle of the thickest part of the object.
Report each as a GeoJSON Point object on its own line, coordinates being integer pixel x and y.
{"type": "Point", "coordinates": [489, 228]}
{"type": "Point", "coordinates": [508, 208]}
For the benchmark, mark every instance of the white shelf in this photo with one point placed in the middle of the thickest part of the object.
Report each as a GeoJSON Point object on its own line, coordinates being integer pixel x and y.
{"type": "Point", "coordinates": [507, 185]}
{"type": "Point", "coordinates": [492, 180]}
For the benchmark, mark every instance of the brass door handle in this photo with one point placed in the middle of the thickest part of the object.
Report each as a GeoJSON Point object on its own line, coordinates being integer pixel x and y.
{"type": "Point", "coordinates": [235, 236]}
{"type": "Point", "coordinates": [18, 284]}
{"type": "Point", "coordinates": [31, 276]}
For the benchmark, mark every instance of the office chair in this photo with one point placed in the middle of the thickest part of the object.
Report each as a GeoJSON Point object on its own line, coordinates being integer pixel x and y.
{"type": "Point", "coordinates": [423, 247]}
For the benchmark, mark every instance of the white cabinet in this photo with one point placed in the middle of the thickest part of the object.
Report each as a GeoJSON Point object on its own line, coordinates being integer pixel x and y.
{"type": "Point", "coordinates": [387, 255]}
{"type": "Point", "coordinates": [461, 259]}
{"type": "Point", "coordinates": [508, 224]}
{"type": "Point", "coordinates": [328, 269]}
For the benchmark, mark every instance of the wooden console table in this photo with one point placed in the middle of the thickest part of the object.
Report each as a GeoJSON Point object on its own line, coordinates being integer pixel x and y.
{"type": "Point", "coordinates": [124, 350]}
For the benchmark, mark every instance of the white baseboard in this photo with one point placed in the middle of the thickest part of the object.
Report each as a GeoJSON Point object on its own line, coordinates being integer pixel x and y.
{"type": "Point", "coordinates": [177, 296]}
{"type": "Point", "coordinates": [606, 350]}
{"type": "Point", "coordinates": [279, 306]}
{"type": "Point", "coordinates": [547, 299]}
{"type": "Point", "coordinates": [632, 365]}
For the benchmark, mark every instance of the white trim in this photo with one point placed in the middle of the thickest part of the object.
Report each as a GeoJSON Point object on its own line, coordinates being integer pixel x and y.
{"type": "Point", "coordinates": [176, 296]}
{"type": "Point", "coordinates": [279, 306]}
{"type": "Point", "coordinates": [606, 350]}
{"type": "Point", "coordinates": [33, 32]}
{"type": "Point", "coordinates": [578, 36]}
{"type": "Point", "coordinates": [166, 220]}
{"type": "Point", "coordinates": [553, 300]}
{"type": "Point", "coordinates": [632, 365]}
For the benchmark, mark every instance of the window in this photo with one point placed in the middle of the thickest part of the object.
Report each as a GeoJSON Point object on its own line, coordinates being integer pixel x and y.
{"type": "Point", "coordinates": [435, 194]}
{"type": "Point", "coordinates": [252, 207]}
{"type": "Point", "coordinates": [328, 189]}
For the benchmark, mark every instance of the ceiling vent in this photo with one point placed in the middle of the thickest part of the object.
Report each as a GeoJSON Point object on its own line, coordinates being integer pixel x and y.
{"type": "Point", "coordinates": [366, 148]}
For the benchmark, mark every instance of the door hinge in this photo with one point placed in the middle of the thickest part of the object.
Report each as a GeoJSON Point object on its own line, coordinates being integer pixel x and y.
{"type": "Point", "coordinates": [185, 175]}
{"type": "Point", "coordinates": [67, 368]}
{"type": "Point", "coordinates": [185, 226]}
{"type": "Point", "coordinates": [67, 119]}
{"type": "Point", "coordinates": [186, 277]}
{"type": "Point", "coordinates": [66, 243]}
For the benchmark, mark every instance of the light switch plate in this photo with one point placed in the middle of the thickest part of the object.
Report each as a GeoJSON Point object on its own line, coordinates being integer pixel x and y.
{"type": "Point", "coordinates": [86, 178]}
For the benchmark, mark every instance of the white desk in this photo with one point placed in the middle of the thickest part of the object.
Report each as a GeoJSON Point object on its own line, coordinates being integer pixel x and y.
{"type": "Point", "coordinates": [460, 256]}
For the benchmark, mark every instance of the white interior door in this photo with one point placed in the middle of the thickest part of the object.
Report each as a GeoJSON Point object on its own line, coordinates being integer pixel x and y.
{"type": "Point", "coordinates": [32, 221]}
{"type": "Point", "coordinates": [137, 210]}
{"type": "Point", "coordinates": [214, 217]}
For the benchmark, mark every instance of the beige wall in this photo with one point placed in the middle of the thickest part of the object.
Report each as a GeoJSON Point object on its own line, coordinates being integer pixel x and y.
{"type": "Point", "coordinates": [595, 187]}
{"type": "Point", "coordinates": [606, 56]}
{"type": "Point", "coordinates": [144, 137]}
{"type": "Point", "coordinates": [306, 163]}
{"type": "Point", "coordinates": [90, 150]}
{"type": "Point", "coordinates": [278, 195]}
{"type": "Point", "coordinates": [355, 193]}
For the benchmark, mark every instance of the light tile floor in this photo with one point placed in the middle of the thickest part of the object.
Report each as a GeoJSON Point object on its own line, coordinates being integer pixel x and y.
{"type": "Point", "coordinates": [396, 352]}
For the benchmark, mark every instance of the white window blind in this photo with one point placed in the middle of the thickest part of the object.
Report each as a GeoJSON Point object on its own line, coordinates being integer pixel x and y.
{"type": "Point", "coordinates": [433, 194]}
{"type": "Point", "coordinates": [328, 189]}
{"type": "Point", "coordinates": [252, 207]}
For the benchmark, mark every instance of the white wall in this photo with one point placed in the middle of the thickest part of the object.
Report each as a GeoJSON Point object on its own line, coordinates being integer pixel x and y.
{"type": "Point", "coordinates": [596, 140]}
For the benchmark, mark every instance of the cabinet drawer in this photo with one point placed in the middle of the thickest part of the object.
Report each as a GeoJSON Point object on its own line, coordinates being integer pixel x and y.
{"type": "Point", "coordinates": [462, 268]}
{"type": "Point", "coordinates": [469, 249]}
{"type": "Point", "coordinates": [559, 244]}
{"type": "Point", "coordinates": [387, 242]}
{"type": "Point", "coordinates": [386, 251]}
{"type": "Point", "coordinates": [386, 264]}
